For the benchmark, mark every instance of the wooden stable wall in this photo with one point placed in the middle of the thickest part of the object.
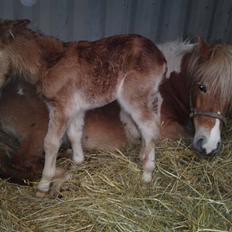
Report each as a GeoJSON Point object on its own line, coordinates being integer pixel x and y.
{"type": "Point", "coordinates": [160, 20]}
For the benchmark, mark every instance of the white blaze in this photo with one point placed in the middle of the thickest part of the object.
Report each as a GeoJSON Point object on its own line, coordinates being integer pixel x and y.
{"type": "Point", "coordinates": [214, 138]}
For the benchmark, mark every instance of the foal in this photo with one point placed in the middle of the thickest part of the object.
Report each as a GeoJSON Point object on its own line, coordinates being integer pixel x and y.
{"type": "Point", "coordinates": [75, 77]}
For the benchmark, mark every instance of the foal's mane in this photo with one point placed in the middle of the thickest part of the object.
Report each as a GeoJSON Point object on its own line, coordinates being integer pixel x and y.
{"type": "Point", "coordinates": [29, 50]}
{"type": "Point", "coordinates": [213, 69]}
{"type": "Point", "coordinates": [49, 43]}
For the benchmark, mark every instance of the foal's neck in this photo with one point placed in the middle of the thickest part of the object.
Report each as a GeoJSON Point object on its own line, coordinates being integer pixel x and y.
{"type": "Point", "coordinates": [25, 58]}
{"type": "Point", "coordinates": [174, 90]}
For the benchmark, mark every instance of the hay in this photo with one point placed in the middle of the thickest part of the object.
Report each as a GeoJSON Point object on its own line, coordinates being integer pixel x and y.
{"type": "Point", "coordinates": [106, 194]}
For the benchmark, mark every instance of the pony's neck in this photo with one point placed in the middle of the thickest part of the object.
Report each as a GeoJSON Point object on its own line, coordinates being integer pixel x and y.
{"type": "Point", "coordinates": [174, 89]}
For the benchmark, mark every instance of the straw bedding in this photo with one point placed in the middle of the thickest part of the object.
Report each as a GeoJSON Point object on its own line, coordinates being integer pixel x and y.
{"type": "Point", "coordinates": [106, 194]}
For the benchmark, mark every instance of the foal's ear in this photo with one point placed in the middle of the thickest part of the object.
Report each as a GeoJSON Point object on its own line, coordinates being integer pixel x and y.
{"type": "Point", "coordinates": [203, 48]}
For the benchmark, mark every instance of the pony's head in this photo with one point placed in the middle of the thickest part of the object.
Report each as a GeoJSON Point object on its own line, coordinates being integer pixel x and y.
{"type": "Point", "coordinates": [210, 74]}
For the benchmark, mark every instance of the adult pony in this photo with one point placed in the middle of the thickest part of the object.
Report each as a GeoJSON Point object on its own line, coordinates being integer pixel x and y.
{"type": "Point", "coordinates": [210, 82]}
{"type": "Point", "coordinates": [206, 76]}
{"type": "Point", "coordinates": [76, 77]}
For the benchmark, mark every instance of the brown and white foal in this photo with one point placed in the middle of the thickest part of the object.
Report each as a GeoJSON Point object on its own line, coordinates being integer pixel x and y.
{"type": "Point", "coordinates": [75, 77]}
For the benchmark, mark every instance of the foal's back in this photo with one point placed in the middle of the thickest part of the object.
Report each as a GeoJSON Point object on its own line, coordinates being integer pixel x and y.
{"type": "Point", "coordinates": [96, 68]}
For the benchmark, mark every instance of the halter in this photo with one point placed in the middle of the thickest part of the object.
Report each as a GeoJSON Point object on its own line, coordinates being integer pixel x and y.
{"type": "Point", "coordinates": [194, 112]}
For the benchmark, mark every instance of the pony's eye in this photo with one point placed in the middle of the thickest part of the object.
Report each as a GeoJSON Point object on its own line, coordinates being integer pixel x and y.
{"type": "Point", "coordinates": [203, 88]}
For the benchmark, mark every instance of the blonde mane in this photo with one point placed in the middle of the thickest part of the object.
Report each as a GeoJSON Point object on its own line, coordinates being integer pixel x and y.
{"type": "Point", "coordinates": [174, 52]}
{"type": "Point", "coordinates": [215, 72]}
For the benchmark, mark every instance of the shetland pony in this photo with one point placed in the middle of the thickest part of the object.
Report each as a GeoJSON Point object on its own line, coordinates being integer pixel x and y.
{"type": "Point", "coordinates": [75, 77]}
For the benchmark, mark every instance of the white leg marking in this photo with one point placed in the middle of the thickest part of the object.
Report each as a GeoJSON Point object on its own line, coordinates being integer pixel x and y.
{"type": "Point", "coordinates": [150, 132]}
{"type": "Point", "coordinates": [51, 146]}
{"type": "Point", "coordinates": [149, 127]}
{"type": "Point", "coordinates": [74, 132]}
{"type": "Point", "coordinates": [52, 143]}
{"type": "Point", "coordinates": [149, 165]}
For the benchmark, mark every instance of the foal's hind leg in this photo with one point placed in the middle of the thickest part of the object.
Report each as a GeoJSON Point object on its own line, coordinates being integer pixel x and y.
{"type": "Point", "coordinates": [130, 128]}
{"type": "Point", "coordinates": [150, 132]}
{"type": "Point", "coordinates": [143, 104]}
{"type": "Point", "coordinates": [52, 141]}
{"type": "Point", "coordinates": [149, 126]}
{"type": "Point", "coordinates": [75, 132]}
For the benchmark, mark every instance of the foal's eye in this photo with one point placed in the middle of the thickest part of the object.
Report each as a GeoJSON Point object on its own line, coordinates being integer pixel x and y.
{"type": "Point", "coordinates": [202, 88]}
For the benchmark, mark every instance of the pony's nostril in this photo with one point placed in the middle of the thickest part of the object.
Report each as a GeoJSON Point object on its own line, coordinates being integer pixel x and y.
{"type": "Point", "coordinates": [219, 146]}
{"type": "Point", "coordinates": [217, 149]}
{"type": "Point", "coordinates": [200, 143]}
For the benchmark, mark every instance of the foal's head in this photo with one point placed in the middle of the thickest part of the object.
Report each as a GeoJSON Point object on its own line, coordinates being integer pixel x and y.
{"type": "Point", "coordinates": [210, 73]}
{"type": "Point", "coordinates": [8, 31]}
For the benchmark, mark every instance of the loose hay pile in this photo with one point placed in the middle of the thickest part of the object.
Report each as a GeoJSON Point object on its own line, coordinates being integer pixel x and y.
{"type": "Point", "coordinates": [106, 194]}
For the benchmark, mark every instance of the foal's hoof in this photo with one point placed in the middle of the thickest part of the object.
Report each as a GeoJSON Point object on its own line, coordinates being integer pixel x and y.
{"type": "Point", "coordinates": [147, 177]}
{"type": "Point", "coordinates": [40, 194]}
{"type": "Point", "coordinates": [57, 183]}
{"type": "Point", "coordinates": [78, 159]}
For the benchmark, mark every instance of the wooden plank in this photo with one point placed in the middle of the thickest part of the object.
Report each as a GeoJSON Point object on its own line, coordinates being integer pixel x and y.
{"type": "Point", "coordinates": [159, 20]}
{"type": "Point", "coordinates": [17, 10]}
{"type": "Point", "coordinates": [58, 16]}
{"type": "Point", "coordinates": [70, 20]}
{"type": "Point", "coordinates": [118, 14]}
{"type": "Point", "coordinates": [96, 19]}
{"type": "Point", "coordinates": [80, 20]}
{"type": "Point", "coordinates": [35, 16]}
{"type": "Point", "coordinates": [146, 17]}
{"type": "Point", "coordinates": [220, 28]}
{"type": "Point", "coordinates": [44, 16]}
{"type": "Point", "coordinates": [200, 18]}
{"type": "Point", "coordinates": [26, 12]}
{"type": "Point", "coordinates": [6, 9]}
{"type": "Point", "coordinates": [172, 25]}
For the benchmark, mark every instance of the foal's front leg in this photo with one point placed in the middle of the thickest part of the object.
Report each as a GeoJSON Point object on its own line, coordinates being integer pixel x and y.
{"type": "Point", "coordinates": [52, 141]}
{"type": "Point", "coordinates": [74, 133]}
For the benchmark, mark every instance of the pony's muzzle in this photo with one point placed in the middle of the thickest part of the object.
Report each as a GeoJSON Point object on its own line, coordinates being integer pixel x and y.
{"type": "Point", "coordinates": [198, 146]}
